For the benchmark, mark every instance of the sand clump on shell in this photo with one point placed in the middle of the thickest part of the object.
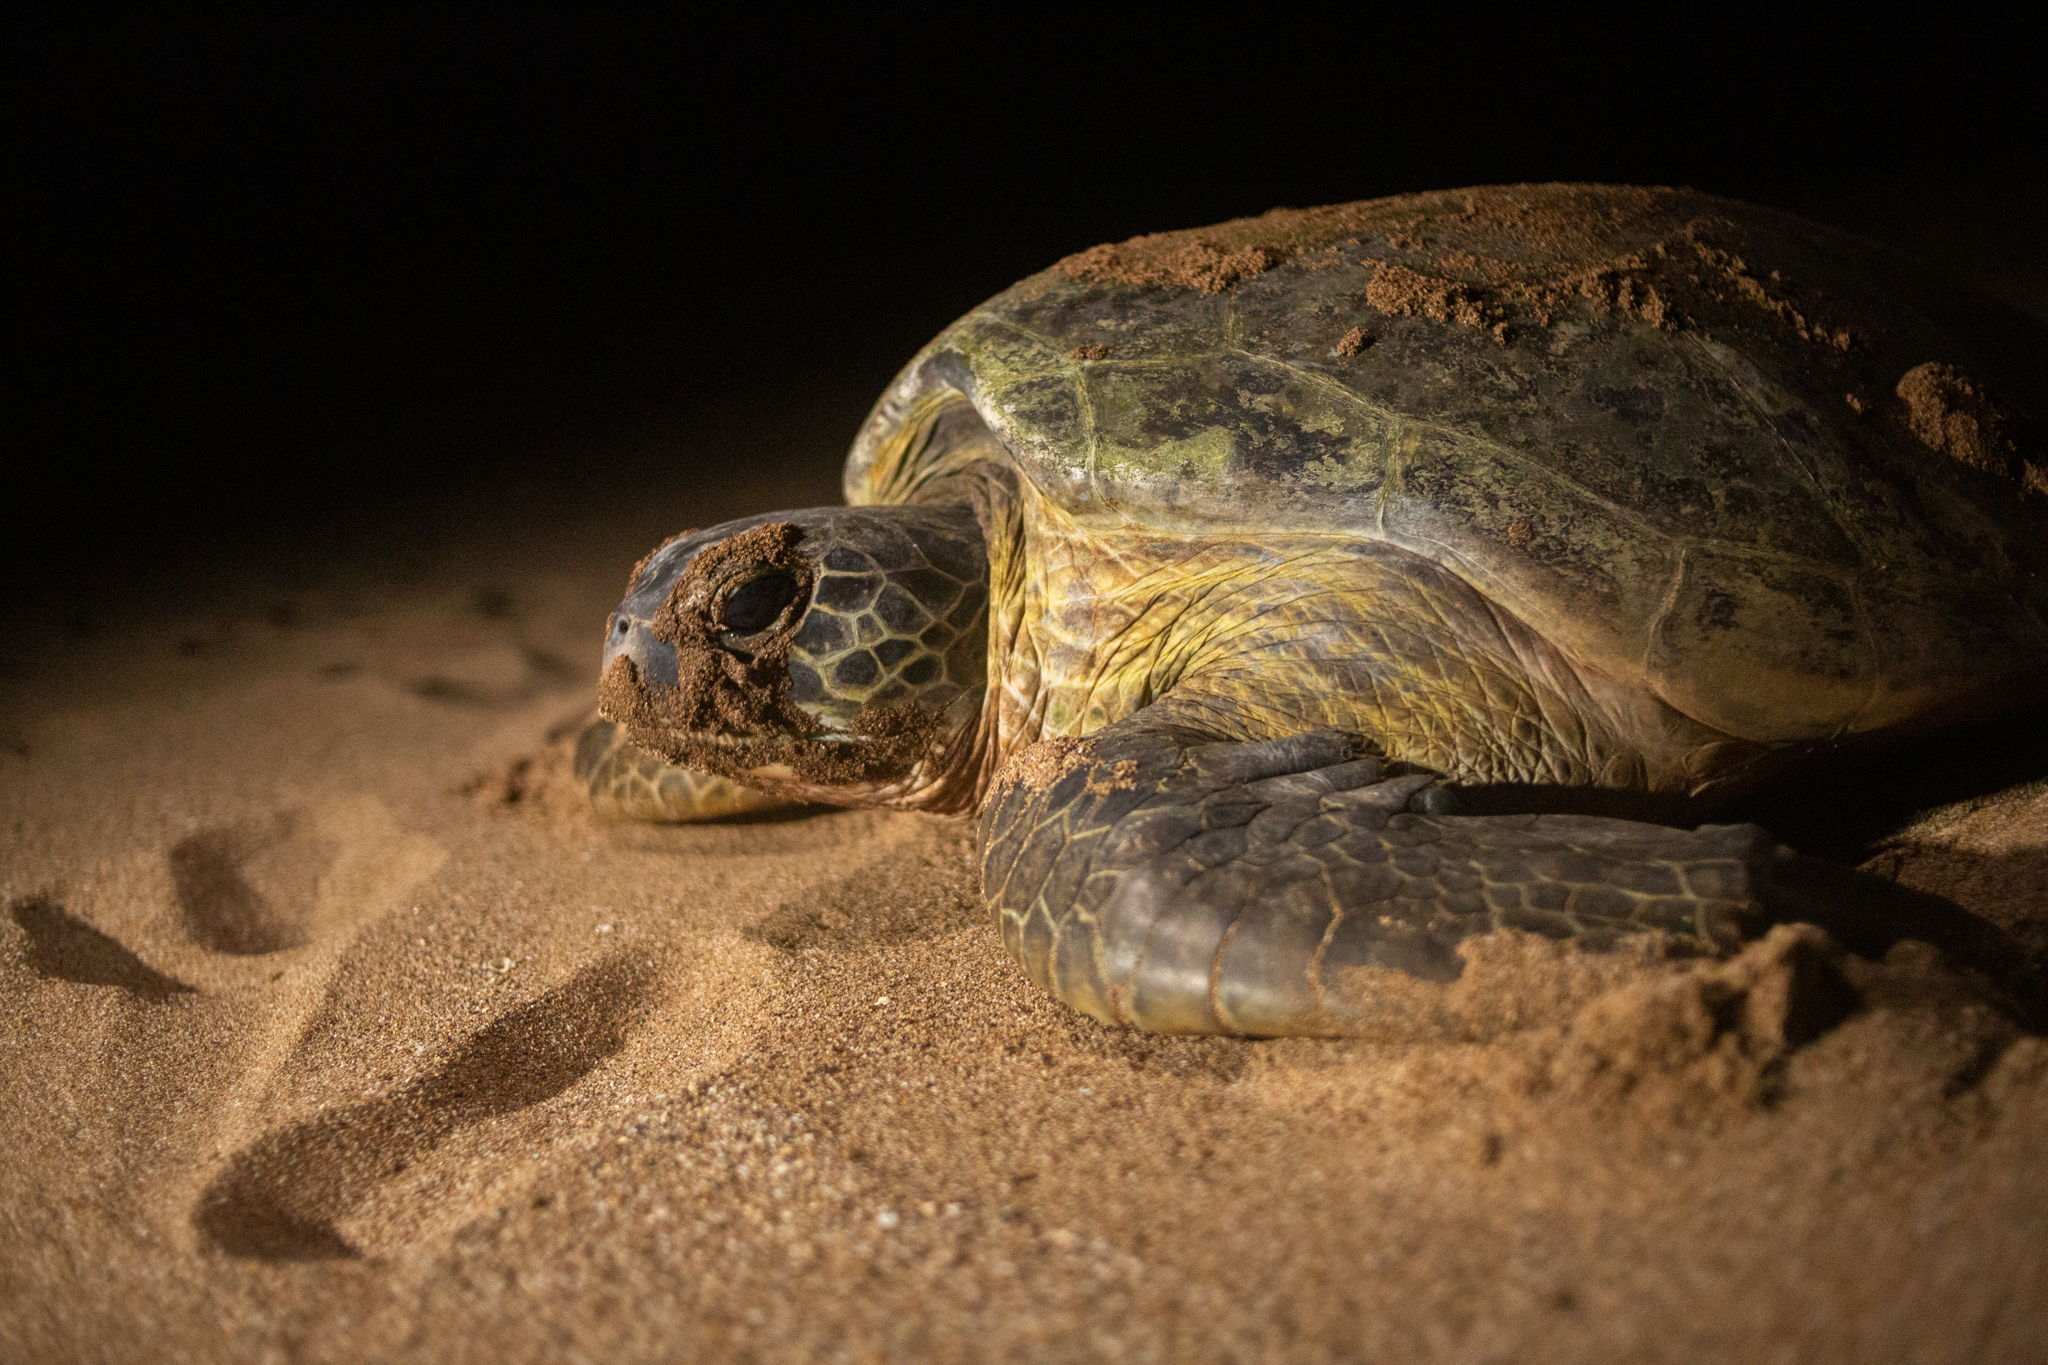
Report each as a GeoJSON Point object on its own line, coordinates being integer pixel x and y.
{"type": "Point", "coordinates": [1496, 258]}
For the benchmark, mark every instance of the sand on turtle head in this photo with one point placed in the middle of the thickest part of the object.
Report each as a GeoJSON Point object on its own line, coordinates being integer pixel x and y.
{"type": "Point", "coordinates": [731, 711]}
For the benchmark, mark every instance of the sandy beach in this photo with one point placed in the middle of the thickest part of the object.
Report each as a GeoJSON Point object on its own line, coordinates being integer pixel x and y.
{"type": "Point", "coordinates": [365, 354]}
{"type": "Point", "coordinates": [341, 1030]}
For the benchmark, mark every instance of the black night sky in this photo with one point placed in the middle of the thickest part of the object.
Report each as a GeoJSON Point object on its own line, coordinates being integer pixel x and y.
{"type": "Point", "coordinates": [297, 278]}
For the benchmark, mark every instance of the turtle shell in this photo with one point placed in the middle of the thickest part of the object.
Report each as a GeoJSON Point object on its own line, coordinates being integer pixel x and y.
{"type": "Point", "coordinates": [1776, 475]}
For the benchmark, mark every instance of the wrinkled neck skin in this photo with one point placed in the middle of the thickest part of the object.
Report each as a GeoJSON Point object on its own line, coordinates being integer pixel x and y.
{"type": "Point", "coordinates": [1271, 634]}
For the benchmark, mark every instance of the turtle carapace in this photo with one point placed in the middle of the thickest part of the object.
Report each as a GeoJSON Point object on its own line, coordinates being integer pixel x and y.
{"type": "Point", "coordinates": [1205, 568]}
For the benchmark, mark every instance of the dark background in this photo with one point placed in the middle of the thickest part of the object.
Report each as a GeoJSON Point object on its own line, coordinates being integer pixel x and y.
{"type": "Point", "coordinates": [291, 283]}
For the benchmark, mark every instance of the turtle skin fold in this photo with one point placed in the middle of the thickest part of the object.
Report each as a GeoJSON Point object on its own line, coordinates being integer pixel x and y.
{"type": "Point", "coordinates": [1152, 878]}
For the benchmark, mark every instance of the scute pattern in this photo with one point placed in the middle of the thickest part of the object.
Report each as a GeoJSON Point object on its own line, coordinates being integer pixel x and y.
{"type": "Point", "coordinates": [877, 632]}
{"type": "Point", "coordinates": [1568, 468]}
{"type": "Point", "coordinates": [628, 783]}
{"type": "Point", "coordinates": [1284, 887]}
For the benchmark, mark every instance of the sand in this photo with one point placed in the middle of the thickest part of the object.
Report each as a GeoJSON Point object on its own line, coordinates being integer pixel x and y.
{"type": "Point", "coordinates": [339, 1029]}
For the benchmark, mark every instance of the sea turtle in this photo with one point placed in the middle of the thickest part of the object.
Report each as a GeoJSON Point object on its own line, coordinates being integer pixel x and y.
{"type": "Point", "coordinates": [1218, 570]}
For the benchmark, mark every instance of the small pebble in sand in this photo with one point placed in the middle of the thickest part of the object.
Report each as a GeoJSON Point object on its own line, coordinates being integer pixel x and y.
{"type": "Point", "coordinates": [888, 1218]}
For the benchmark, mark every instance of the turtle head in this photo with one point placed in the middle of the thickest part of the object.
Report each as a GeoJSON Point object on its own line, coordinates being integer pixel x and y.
{"type": "Point", "coordinates": [836, 654]}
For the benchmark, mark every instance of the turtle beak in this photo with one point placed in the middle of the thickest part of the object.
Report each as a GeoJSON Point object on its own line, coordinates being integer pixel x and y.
{"type": "Point", "coordinates": [633, 637]}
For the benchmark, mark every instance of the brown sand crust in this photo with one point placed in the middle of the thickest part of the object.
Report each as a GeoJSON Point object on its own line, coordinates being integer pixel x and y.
{"type": "Point", "coordinates": [623, 698]}
{"type": "Point", "coordinates": [1089, 350]}
{"type": "Point", "coordinates": [742, 695]}
{"type": "Point", "coordinates": [909, 723]}
{"type": "Point", "coordinates": [893, 741]}
{"type": "Point", "coordinates": [746, 694]}
{"type": "Point", "coordinates": [1353, 343]}
{"type": "Point", "coordinates": [1953, 416]}
{"type": "Point", "coordinates": [1038, 766]}
{"type": "Point", "coordinates": [1122, 776]}
{"type": "Point", "coordinates": [1400, 292]}
{"type": "Point", "coordinates": [730, 711]}
{"type": "Point", "coordinates": [529, 1086]}
{"type": "Point", "coordinates": [733, 691]}
{"type": "Point", "coordinates": [1184, 262]}
{"type": "Point", "coordinates": [1499, 258]}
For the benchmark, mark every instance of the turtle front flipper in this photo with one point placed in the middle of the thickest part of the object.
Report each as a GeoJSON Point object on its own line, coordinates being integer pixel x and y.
{"type": "Point", "coordinates": [1150, 877]}
{"type": "Point", "coordinates": [628, 783]}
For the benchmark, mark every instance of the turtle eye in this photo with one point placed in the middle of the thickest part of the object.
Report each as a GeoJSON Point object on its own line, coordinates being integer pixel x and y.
{"type": "Point", "coordinates": [753, 606]}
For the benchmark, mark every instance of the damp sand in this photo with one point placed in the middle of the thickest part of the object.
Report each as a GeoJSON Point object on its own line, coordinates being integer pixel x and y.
{"type": "Point", "coordinates": [339, 1029]}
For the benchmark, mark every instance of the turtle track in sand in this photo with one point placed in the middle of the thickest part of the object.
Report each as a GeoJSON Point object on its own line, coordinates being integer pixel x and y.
{"type": "Point", "coordinates": [281, 1197]}
{"type": "Point", "coordinates": [252, 888]}
{"type": "Point", "coordinates": [284, 880]}
{"type": "Point", "coordinates": [63, 947]}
